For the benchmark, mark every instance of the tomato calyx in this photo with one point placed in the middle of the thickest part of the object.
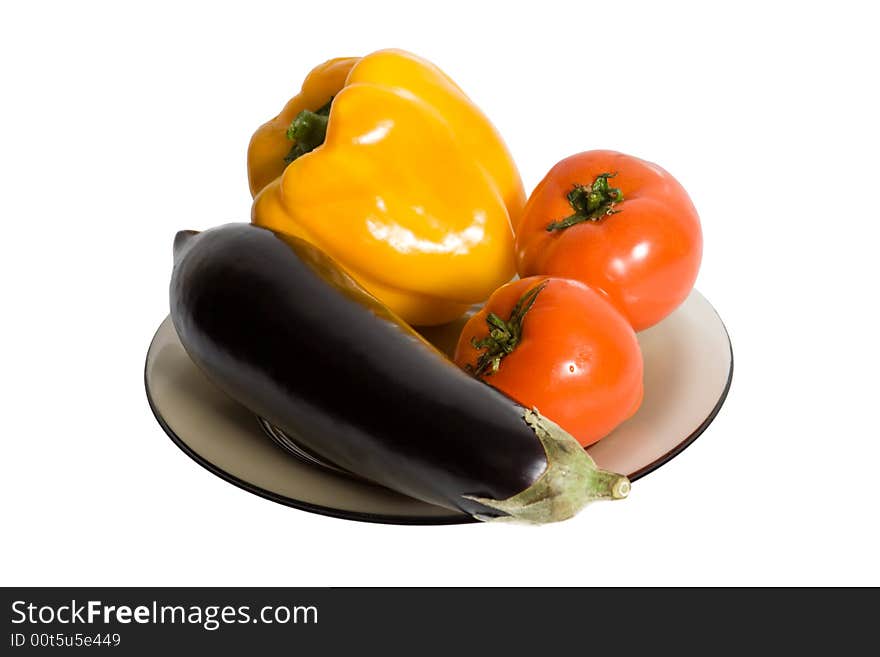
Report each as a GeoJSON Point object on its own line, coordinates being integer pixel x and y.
{"type": "Point", "coordinates": [590, 202]}
{"type": "Point", "coordinates": [504, 335]}
{"type": "Point", "coordinates": [307, 131]}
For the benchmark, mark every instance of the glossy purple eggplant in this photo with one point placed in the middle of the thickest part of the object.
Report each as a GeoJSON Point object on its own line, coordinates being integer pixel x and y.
{"type": "Point", "coordinates": [281, 328]}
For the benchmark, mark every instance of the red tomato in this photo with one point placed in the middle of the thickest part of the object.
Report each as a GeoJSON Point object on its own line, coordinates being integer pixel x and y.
{"type": "Point", "coordinates": [558, 346]}
{"type": "Point", "coordinates": [623, 226]}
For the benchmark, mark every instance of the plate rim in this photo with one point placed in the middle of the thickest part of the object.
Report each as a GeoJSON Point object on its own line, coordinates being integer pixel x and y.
{"type": "Point", "coordinates": [358, 516]}
{"type": "Point", "coordinates": [361, 516]}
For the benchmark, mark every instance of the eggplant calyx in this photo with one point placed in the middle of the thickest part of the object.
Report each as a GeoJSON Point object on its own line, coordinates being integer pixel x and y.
{"type": "Point", "coordinates": [570, 482]}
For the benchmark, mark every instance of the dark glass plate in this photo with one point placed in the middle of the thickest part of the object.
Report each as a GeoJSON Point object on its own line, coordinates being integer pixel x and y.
{"type": "Point", "coordinates": [688, 369]}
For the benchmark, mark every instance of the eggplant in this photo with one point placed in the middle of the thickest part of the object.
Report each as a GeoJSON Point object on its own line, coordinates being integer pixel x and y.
{"type": "Point", "coordinates": [282, 329]}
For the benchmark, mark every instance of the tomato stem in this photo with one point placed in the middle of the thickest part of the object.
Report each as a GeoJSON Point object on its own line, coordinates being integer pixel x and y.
{"type": "Point", "coordinates": [307, 131]}
{"type": "Point", "coordinates": [590, 202]}
{"type": "Point", "coordinates": [504, 335]}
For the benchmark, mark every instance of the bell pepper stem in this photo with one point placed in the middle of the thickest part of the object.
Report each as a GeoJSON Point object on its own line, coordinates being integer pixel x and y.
{"type": "Point", "coordinates": [308, 131]}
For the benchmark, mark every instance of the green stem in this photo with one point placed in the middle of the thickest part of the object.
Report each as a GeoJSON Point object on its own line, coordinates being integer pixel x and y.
{"type": "Point", "coordinates": [504, 335]}
{"type": "Point", "coordinates": [570, 482]}
{"type": "Point", "coordinates": [590, 202]}
{"type": "Point", "coordinates": [307, 131]}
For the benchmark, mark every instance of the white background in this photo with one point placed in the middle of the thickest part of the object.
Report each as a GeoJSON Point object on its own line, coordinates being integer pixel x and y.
{"type": "Point", "coordinates": [121, 125]}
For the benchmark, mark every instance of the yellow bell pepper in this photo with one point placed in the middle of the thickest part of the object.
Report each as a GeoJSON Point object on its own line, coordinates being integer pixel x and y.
{"type": "Point", "coordinates": [387, 166]}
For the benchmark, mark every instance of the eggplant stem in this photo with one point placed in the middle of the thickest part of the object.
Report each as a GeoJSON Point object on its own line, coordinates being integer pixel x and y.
{"type": "Point", "coordinates": [570, 481]}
